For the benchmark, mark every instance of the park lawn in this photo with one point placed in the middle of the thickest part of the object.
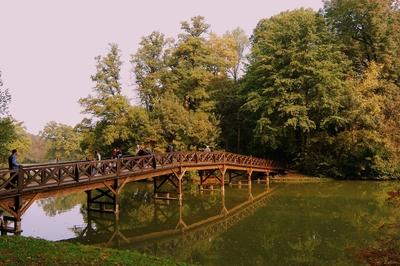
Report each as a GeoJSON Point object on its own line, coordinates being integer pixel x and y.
{"type": "Point", "coordinates": [18, 250]}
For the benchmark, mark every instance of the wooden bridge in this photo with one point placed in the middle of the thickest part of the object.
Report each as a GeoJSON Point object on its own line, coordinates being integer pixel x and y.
{"type": "Point", "coordinates": [104, 180]}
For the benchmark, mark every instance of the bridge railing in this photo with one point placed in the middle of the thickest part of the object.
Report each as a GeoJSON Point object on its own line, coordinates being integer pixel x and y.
{"type": "Point", "coordinates": [40, 177]}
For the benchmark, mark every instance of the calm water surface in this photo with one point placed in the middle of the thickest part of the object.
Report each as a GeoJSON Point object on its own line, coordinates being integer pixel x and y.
{"type": "Point", "coordinates": [287, 224]}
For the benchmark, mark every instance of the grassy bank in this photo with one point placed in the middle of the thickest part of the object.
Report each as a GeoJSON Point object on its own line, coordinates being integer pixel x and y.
{"type": "Point", "coordinates": [17, 250]}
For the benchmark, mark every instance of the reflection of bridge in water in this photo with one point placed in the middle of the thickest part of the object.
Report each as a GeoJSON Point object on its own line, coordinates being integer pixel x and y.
{"type": "Point", "coordinates": [108, 231]}
{"type": "Point", "coordinates": [104, 180]}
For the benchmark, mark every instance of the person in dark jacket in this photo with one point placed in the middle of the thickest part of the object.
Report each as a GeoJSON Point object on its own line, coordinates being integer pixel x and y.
{"type": "Point", "coordinates": [13, 165]}
{"type": "Point", "coordinates": [12, 161]}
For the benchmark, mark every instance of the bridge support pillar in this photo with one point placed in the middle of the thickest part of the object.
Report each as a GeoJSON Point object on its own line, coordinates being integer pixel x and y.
{"type": "Point", "coordinates": [105, 199]}
{"type": "Point", "coordinates": [249, 173]}
{"type": "Point", "coordinates": [175, 179]}
{"type": "Point", "coordinates": [209, 178]}
{"type": "Point", "coordinates": [11, 222]}
{"type": "Point", "coordinates": [222, 180]}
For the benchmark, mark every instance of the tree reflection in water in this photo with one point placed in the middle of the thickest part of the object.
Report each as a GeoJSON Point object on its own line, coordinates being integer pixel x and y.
{"type": "Point", "coordinates": [386, 249]}
{"type": "Point", "coordinates": [57, 205]}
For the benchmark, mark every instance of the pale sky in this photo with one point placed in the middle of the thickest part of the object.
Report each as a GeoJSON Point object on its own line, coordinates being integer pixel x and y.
{"type": "Point", "coordinates": [47, 47]}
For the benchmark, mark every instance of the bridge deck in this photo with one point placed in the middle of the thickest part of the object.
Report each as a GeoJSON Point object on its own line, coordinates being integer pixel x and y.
{"type": "Point", "coordinates": [46, 178]}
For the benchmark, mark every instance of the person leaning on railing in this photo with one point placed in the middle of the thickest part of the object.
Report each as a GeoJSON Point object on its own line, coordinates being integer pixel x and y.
{"type": "Point", "coordinates": [12, 161]}
{"type": "Point", "coordinates": [13, 165]}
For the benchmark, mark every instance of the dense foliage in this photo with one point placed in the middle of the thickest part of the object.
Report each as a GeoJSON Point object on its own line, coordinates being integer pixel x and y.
{"type": "Point", "coordinates": [317, 90]}
{"type": "Point", "coordinates": [321, 94]}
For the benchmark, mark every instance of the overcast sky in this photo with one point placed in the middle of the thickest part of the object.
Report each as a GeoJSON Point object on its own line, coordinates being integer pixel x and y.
{"type": "Point", "coordinates": [47, 47]}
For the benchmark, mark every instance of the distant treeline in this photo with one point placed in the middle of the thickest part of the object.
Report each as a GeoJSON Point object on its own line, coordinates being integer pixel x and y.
{"type": "Point", "coordinates": [317, 90]}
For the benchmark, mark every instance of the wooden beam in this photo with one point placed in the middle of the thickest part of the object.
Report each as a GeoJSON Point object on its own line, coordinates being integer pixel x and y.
{"type": "Point", "coordinates": [110, 188]}
{"type": "Point", "coordinates": [28, 204]}
{"type": "Point", "coordinates": [8, 209]}
{"type": "Point", "coordinates": [122, 185]}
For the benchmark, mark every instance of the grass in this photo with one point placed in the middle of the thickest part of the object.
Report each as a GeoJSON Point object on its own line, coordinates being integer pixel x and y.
{"type": "Point", "coordinates": [18, 250]}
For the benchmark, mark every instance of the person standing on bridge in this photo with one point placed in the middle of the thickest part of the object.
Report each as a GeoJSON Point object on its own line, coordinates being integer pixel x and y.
{"type": "Point", "coordinates": [170, 148]}
{"type": "Point", "coordinates": [119, 153]}
{"type": "Point", "coordinates": [13, 165]}
{"type": "Point", "coordinates": [12, 161]}
{"type": "Point", "coordinates": [97, 156]}
{"type": "Point", "coordinates": [207, 149]}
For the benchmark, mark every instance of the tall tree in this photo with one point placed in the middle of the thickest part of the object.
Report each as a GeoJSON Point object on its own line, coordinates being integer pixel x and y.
{"type": "Point", "coordinates": [370, 31]}
{"type": "Point", "coordinates": [294, 81]}
{"type": "Point", "coordinates": [369, 146]}
{"type": "Point", "coordinates": [150, 67]}
{"type": "Point", "coordinates": [177, 83]}
{"type": "Point", "coordinates": [191, 66]}
{"type": "Point", "coordinates": [228, 95]}
{"type": "Point", "coordinates": [242, 42]}
{"type": "Point", "coordinates": [107, 107]}
{"type": "Point", "coordinates": [113, 122]}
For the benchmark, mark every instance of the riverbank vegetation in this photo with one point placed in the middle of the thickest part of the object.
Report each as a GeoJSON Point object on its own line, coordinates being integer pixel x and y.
{"type": "Point", "coordinates": [16, 250]}
{"type": "Point", "coordinates": [316, 90]}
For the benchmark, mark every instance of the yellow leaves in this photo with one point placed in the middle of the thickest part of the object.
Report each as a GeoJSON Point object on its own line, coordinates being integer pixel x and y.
{"type": "Point", "coordinates": [370, 81]}
{"type": "Point", "coordinates": [368, 97]}
{"type": "Point", "coordinates": [224, 50]}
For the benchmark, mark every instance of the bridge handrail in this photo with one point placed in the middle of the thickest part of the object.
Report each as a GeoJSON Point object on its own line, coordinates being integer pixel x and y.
{"type": "Point", "coordinates": [65, 173]}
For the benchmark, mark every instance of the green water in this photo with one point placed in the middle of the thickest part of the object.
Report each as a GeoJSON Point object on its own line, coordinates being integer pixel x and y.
{"type": "Point", "coordinates": [285, 224]}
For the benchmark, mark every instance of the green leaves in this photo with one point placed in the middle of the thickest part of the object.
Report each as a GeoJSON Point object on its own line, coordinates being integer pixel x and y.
{"type": "Point", "coordinates": [63, 142]}
{"type": "Point", "coordinates": [369, 30]}
{"type": "Point", "coordinates": [113, 122]}
{"type": "Point", "coordinates": [290, 78]}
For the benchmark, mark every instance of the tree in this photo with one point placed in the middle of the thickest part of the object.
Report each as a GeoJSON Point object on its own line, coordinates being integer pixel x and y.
{"type": "Point", "coordinates": [186, 129]}
{"type": "Point", "coordinates": [63, 142]}
{"type": "Point", "coordinates": [113, 122]}
{"type": "Point", "coordinates": [368, 147]}
{"type": "Point", "coordinates": [294, 82]}
{"type": "Point", "coordinates": [150, 67]}
{"type": "Point", "coordinates": [108, 107]}
{"type": "Point", "coordinates": [242, 42]}
{"type": "Point", "coordinates": [7, 135]}
{"type": "Point", "coordinates": [177, 83]}
{"type": "Point", "coordinates": [193, 67]}
{"type": "Point", "coordinates": [228, 91]}
{"type": "Point", "coordinates": [21, 142]}
{"type": "Point", "coordinates": [38, 150]}
{"type": "Point", "coordinates": [370, 31]}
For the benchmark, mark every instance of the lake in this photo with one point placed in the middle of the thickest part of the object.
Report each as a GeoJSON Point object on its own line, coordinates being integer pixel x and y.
{"type": "Point", "coordinates": [323, 223]}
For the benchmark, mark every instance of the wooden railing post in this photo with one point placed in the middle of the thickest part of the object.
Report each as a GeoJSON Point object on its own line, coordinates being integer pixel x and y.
{"type": "Point", "coordinates": [76, 173]}
{"type": "Point", "coordinates": [20, 180]}
{"type": "Point", "coordinates": [118, 167]}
